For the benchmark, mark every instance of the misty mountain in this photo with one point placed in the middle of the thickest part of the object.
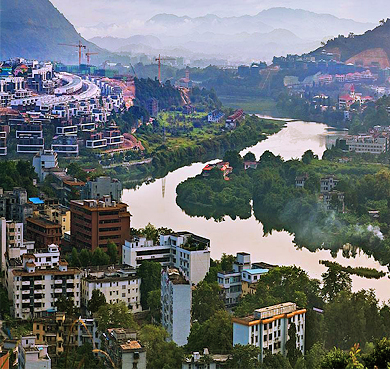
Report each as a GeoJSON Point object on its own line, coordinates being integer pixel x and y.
{"type": "Point", "coordinates": [371, 47]}
{"type": "Point", "coordinates": [35, 28]}
{"type": "Point", "coordinates": [121, 44]}
{"type": "Point", "coordinates": [304, 24]}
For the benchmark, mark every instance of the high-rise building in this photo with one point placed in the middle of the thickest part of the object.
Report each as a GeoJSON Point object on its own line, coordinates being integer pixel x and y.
{"type": "Point", "coordinates": [176, 297]}
{"type": "Point", "coordinates": [43, 232]}
{"type": "Point", "coordinates": [35, 281]}
{"type": "Point", "coordinates": [94, 223]}
{"type": "Point", "coordinates": [102, 186]}
{"type": "Point", "coordinates": [14, 205]}
{"type": "Point", "coordinates": [267, 328]}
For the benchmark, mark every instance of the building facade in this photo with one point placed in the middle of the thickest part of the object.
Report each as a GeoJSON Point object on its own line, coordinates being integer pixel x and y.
{"type": "Point", "coordinates": [35, 282]}
{"type": "Point", "coordinates": [117, 284]}
{"type": "Point", "coordinates": [176, 298]}
{"type": "Point", "coordinates": [102, 186]}
{"type": "Point", "coordinates": [94, 223]}
{"type": "Point", "coordinates": [43, 232]}
{"type": "Point", "coordinates": [32, 355]}
{"type": "Point", "coordinates": [44, 160]}
{"type": "Point", "coordinates": [268, 328]}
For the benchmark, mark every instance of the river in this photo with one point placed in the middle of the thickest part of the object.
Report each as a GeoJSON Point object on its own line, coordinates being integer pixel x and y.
{"type": "Point", "coordinates": [147, 204]}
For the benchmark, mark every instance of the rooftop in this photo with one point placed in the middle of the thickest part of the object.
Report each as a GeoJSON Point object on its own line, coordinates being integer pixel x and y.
{"type": "Point", "coordinates": [176, 276]}
{"type": "Point", "coordinates": [131, 345]}
{"type": "Point", "coordinates": [255, 271]}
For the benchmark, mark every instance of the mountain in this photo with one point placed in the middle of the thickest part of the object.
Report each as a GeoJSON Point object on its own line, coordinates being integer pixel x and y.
{"type": "Point", "coordinates": [304, 24]}
{"type": "Point", "coordinates": [371, 47]}
{"type": "Point", "coordinates": [120, 44]}
{"type": "Point", "coordinates": [34, 29]}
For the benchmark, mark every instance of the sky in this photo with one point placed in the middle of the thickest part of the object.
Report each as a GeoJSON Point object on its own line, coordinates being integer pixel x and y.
{"type": "Point", "coordinates": [91, 12]}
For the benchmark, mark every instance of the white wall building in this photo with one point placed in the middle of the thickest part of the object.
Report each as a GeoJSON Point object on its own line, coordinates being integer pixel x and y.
{"type": "Point", "coordinates": [367, 144]}
{"type": "Point", "coordinates": [176, 299]}
{"type": "Point", "coordinates": [35, 282]}
{"type": "Point", "coordinates": [182, 250]}
{"type": "Point", "coordinates": [32, 356]}
{"type": "Point", "coordinates": [44, 160]}
{"type": "Point", "coordinates": [268, 328]}
{"type": "Point", "coordinates": [116, 284]}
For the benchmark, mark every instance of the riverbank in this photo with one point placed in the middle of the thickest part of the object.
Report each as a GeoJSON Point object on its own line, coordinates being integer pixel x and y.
{"type": "Point", "coordinates": [155, 202]}
{"type": "Point", "coordinates": [169, 157]}
{"type": "Point", "coordinates": [326, 220]}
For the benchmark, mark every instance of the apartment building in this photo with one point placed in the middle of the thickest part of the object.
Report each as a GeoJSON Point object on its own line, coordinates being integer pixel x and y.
{"type": "Point", "coordinates": [328, 183]}
{"type": "Point", "coordinates": [11, 238]}
{"type": "Point", "coordinates": [29, 138]}
{"type": "Point", "coordinates": [204, 360]}
{"type": "Point", "coordinates": [43, 232]}
{"type": "Point", "coordinates": [176, 297]}
{"type": "Point", "coordinates": [102, 186]}
{"type": "Point", "coordinates": [14, 205]}
{"type": "Point", "coordinates": [183, 250]}
{"type": "Point", "coordinates": [94, 223]}
{"type": "Point", "coordinates": [43, 161]}
{"type": "Point", "coordinates": [36, 280]}
{"type": "Point", "coordinates": [3, 143]}
{"type": "Point", "coordinates": [32, 355]}
{"type": "Point", "coordinates": [66, 144]}
{"type": "Point", "coordinates": [123, 349]}
{"type": "Point", "coordinates": [118, 284]}
{"type": "Point", "coordinates": [56, 332]}
{"type": "Point", "coordinates": [267, 328]}
{"type": "Point", "coordinates": [241, 280]}
{"type": "Point", "coordinates": [367, 144]}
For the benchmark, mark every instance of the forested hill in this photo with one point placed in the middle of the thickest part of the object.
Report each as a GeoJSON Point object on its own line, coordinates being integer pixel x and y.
{"type": "Point", "coordinates": [34, 29]}
{"type": "Point", "coordinates": [372, 46]}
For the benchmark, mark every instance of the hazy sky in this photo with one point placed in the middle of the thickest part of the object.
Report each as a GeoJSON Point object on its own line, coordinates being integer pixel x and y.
{"type": "Point", "coordinates": [90, 12]}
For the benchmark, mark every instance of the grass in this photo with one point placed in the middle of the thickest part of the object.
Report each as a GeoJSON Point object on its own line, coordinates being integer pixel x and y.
{"type": "Point", "coordinates": [250, 104]}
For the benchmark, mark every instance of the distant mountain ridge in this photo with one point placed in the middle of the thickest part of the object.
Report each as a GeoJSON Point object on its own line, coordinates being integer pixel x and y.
{"type": "Point", "coordinates": [372, 46]}
{"type": "Point", "coordinates": [35, 28]}
{"type": "Point", "coordinates": [301, 22]}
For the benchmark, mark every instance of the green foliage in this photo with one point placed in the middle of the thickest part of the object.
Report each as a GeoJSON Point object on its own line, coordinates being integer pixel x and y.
{"type": "Point", "coordinates": [308, 157]}
{"type": "Point", "coordinates": [234, 159]}
{"type": "Point", "coordinates": [97, 300]}
{"type": "Point", "coordinates": [249, 156]}
{"type": "Point", "coordinates": [293, 353]}
{"type": "Point", "coordinates": [370, 273]}
{"type": "Point", "coordinates": [216, 334]}
{"type": "Point", "coordinates": [79, 357]}
{"type": "Point", "coordinates": [245, 357]}
{"type": "Point", "coordinates": [75, 170]}
{"type": "Point", "coordinates": [335, 280]}
{"type": "Point", "coordinates": [66, 304]}
{"type": "Point", "coordinates": [4, 302]}
{"type": "Point", "coordinates": [335, 359]}
{"type": "Point", "coordinates": [159, 353]}
{"type": "Point", "coordinates": [115, 315]}
{"type": "Point", "coordinates": [154, 303]}
{"type": "Point", "coordinates": [150, 274]}
{"type": "Point", "coordinates": [206, 301]}
{"type": "Point", "coordinates": [277, 361]}
{"type": "Point", "coordinates": [112, 252]}
{"type": "Point", "coordinates": [18, 174]}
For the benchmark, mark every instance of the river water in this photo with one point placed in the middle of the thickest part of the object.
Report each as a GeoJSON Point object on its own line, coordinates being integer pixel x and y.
{"type": "Point", "coordinates": [148, 204]}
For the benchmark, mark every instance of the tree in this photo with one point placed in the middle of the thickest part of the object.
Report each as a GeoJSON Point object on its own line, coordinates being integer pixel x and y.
{"type": "Point", "coordinates": [293, 353]}
{"type": "Point", "coordinates": [227, 262]}
{"type": "Point", "coordinates": [234, 159]}
{"type": "Point", "coordinates": [97, 299]}
{"type": "Point", "coordinates": [154, 303]}
{"type": "Point", "coordinates": [115, 315]}
{"type": "Point", "coordinates": [112, 252]}
{"type": "Point", "coordinates": [335, 280]}
{"type": "Point", "coordinates": [85, 257]}
{"type": "Point", "coordinates": [249, 156]}
{"type": "Point", "coordinates": [335, 359]}
{"type": "Point", "coordinates": [99, 257]}
{"type": "Point", "coordinates": [206, 301]}
{"type": "Point", "coordinates": [245, 357]}
{"type": "Point", "coordinates": [215, 333]}
{"type": "Point", "coordinates": [277, 361]}
{"type": "Point", "coordinates": [150, 274]}
{"type": "Point", "coordinates": [150, 232]}
{"type": "Point", "coordinates": [159, 353]}
{"type": "Point", "coordinates": [308, 157]}
{"type": "Point", "coordinates": [75, 261]}
{"type": "Point", "coordinates": [314, 356]}
{"type": "Point", "coordinates": [65, 304]}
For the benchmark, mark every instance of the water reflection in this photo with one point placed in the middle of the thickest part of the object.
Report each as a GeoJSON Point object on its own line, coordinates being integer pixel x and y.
{"type": "Point", "coordinates": [147, 204]}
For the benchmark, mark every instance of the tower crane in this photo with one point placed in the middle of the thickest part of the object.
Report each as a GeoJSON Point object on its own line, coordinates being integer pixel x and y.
{"type": "Point", "coordinates": [159, 60]}
{"type": "Point", "coordinates": [88, 54]}
{"type": "Point", "coordinates": [80, 47]}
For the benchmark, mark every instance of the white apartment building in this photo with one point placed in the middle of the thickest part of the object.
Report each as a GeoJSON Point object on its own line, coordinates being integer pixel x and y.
{"type": "Point", "coordinates": [367, 144]}
{"type": "Point", "coordinates": [182, 250]}
{"type": "Point", "coordinates": [116, 284]}
{"type": "Point", "coordinates": [268, 328]}
{"type": "Point", "coordinates": [35, 281]}
{"type": "Point", "coordinates": [176, 299]}
{"type": "Point", "coordinates": [44, 160]}
{"type": "Point", "coordinates": [31, 355]}
{"type": "Point", "coordinates": [328, 183]}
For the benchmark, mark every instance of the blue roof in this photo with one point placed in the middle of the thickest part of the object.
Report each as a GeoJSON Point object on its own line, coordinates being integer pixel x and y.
{"type": "Point", "coordinates": [255, 271]}
{"type": "Point", "coordinates": [36, 200]}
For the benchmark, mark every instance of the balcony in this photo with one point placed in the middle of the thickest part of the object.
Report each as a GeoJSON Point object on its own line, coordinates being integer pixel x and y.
{"type": "Point", "coordinates": [58, 281]}
{"type": "Point", "coordinates": [58, 290]}
{"type": "Point", "coordinates": [25, 283]}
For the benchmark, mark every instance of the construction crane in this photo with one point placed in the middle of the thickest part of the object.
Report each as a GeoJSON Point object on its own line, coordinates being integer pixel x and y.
{"type": "Point", "coordinates": [159, 60]}
{"type": "Point", "coordinates": [80, 46]}
{"type": "Point", "coordinates": [88, 54]}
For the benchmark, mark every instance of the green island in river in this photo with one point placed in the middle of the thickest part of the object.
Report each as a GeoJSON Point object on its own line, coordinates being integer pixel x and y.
{"type": "Point", "coordinates": [354, 215]}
